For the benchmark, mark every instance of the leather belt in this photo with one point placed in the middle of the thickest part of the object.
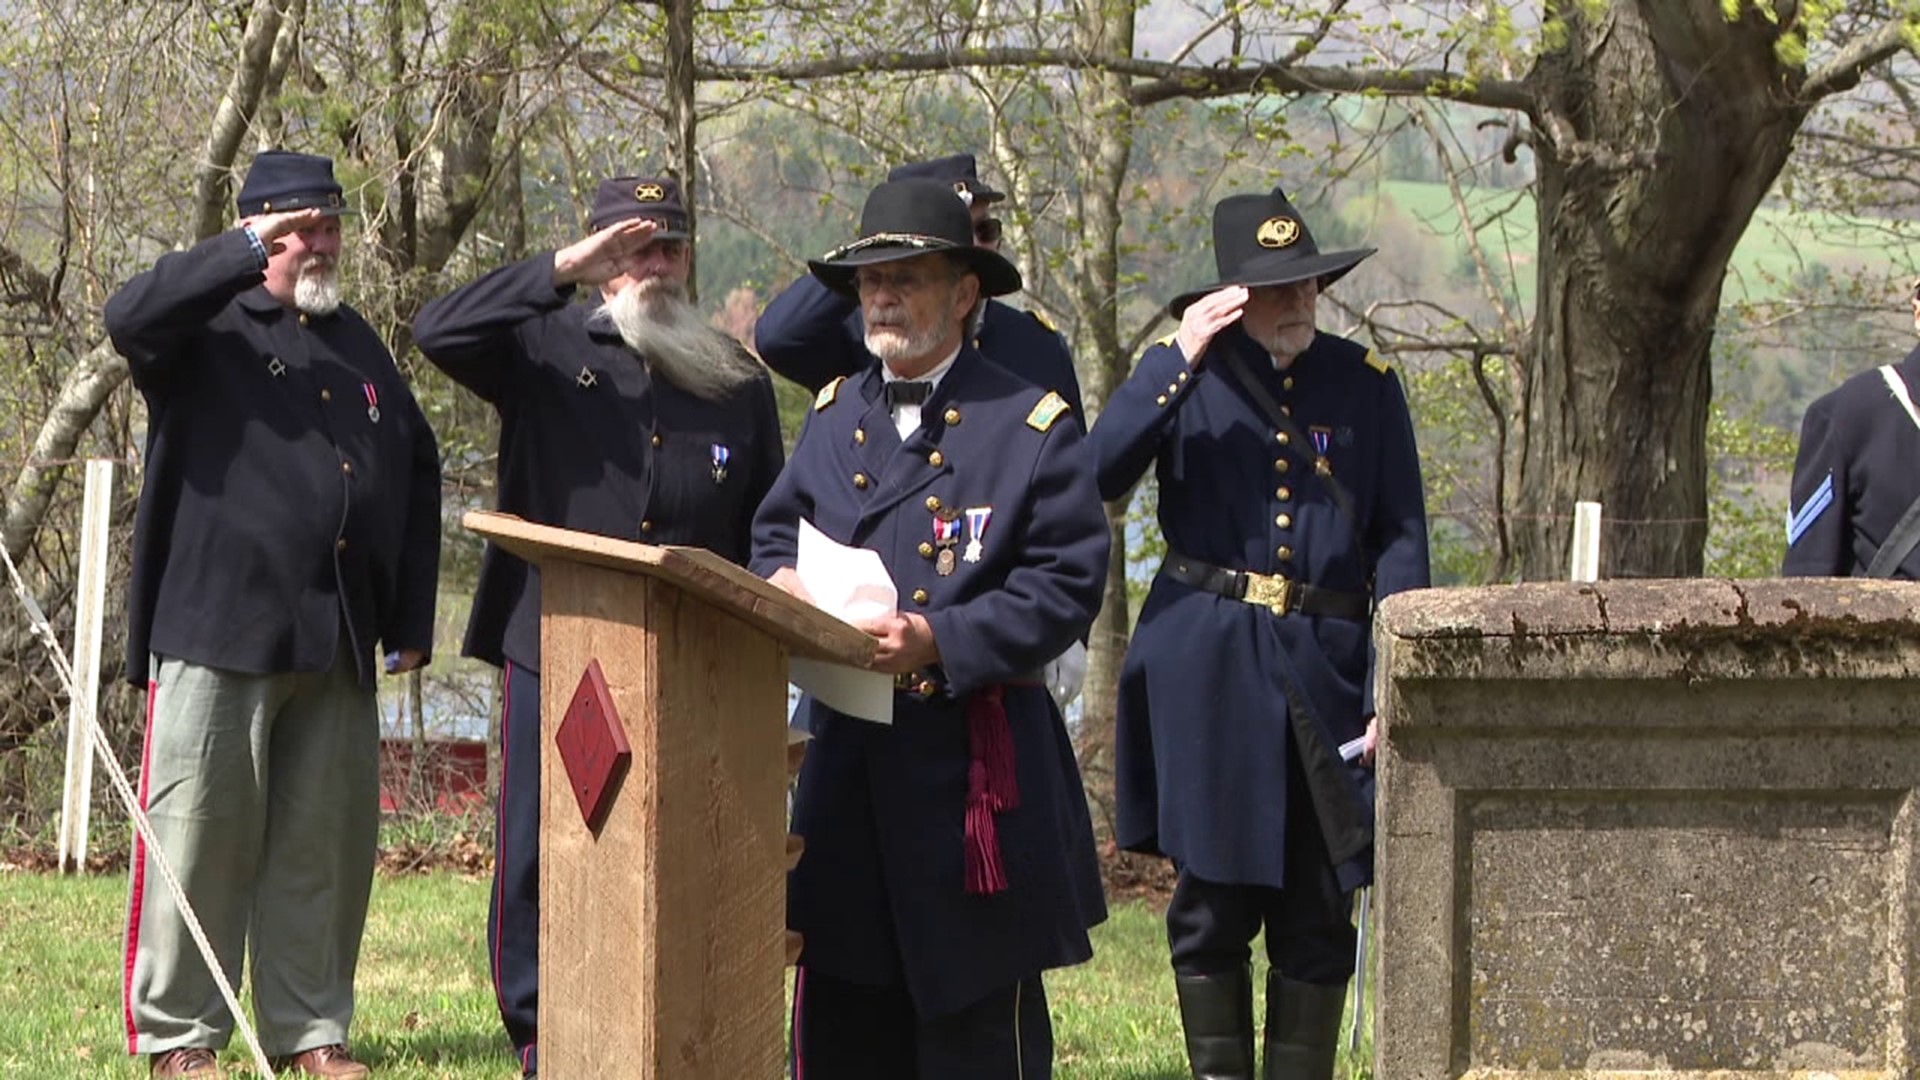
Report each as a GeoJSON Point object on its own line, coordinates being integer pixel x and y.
{"type": "Point", "coordinates": [927, 682]}
{"type": "Point", "coordinates": [1280, 595]}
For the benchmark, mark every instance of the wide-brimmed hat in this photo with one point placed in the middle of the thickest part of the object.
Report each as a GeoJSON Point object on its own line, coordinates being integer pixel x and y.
{"type": "Point", "coordinates": [905, 218]}
{"type": "Point", "coordinates": [656, 198]}
{"type": "Point", "coordinates": [1262, 240]}
{"type": "Point", "coordinates": [957, 171]}
{"type": "Point", "coordinates": [280, 180]}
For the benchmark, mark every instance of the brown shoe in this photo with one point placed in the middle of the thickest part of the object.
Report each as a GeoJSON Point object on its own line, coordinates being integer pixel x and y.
{"type": "Point", "coordinates": [332, 1062]}
{"type": "Point", "coordinates": [195, 1062]}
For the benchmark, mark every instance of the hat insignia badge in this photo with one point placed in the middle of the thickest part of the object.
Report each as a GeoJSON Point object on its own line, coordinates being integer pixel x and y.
{"type": "Point", "coordinates": [966, 194]}
{"type": "Point", "coordinates": [1277, 232]}
{"type": "Point", "coordinates": [649, 193]}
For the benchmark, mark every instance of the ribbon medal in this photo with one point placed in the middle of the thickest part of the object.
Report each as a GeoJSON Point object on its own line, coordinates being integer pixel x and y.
{"type": "Point", "coordinates": [977, 519]}
{"type": "Point", "coordinates": [1322, 438]}
{"type": "Point", "coordinates": [946, 534]}
{"type": "Point", "coordinates": [720, 456]}
{"type": "Point", "coordinates": [373, 402]}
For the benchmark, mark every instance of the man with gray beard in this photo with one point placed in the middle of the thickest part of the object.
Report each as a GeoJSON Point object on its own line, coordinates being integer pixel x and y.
{"type": "Point", "coordinates": [630, 418]}
{"type": "Point", "coordinates": [289, 524]}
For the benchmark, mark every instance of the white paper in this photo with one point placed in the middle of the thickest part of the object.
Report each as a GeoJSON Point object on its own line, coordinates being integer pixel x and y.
{"type": "Point", "coordinates": [852, 585]}
{"type": "Point", "coordinates": [1352, 747]}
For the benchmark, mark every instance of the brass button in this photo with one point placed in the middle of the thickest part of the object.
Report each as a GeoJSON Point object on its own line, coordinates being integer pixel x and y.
{"type": "Point", "coordinates": [859, 436]}
{"type": "Point", "coordinates": [1173, 388]}
{"type": "Point", "coordinates": [919, 596]}
{"type": "Point", "coordinates": [659, 439]}
{"type": "Point", "coordinates": [326, 395]}
{"type": "Point", "coordinates": [1284, 493]}
{"type": "Point", "coordinates": [926, 550]}
{"type": "Point", "coordinates": [1282, 438]}
{"type": "Point", "coordinates": [347, 467]}
{"type": "Point", "coordinates": [926, 688]}
{"type": "Point", "coordinates": [1183, 376]}
{"type": "Point", "coordinates": [340, 544]}
{"type": "Point", "coordinates": [646, 525]}
{"type": "Point", "coordinates": [1286, 383]}
{"type": "Point", "coordinates": [303, 318]}
{"type": "Point", "coordinates": [1280, 465]}
{"type": "Point", "coordinates": [860, 480]}
{"type": "Point", "coordinates": [953, 417]}
{"type": "Point", "coordinates": [933, 503]}
{"type": "Point", "coordinates": [1284, 552]}
{"type": "Point", "coordinates": [1285, 521]}
{"type": "Point", "coordinates": [1161, 400]}
{"type": "Point", "coordinates": [936, 459]}
{"type": "Point", "coordinates": [1286, 410]}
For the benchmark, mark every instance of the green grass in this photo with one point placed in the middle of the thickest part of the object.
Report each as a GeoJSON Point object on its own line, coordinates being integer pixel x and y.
{"type": "Point", "coordinates": [425, 1006]}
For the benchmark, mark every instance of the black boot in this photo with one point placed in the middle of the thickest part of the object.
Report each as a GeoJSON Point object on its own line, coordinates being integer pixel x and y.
{"type": "Point", "coordinates": [1303, 1029]}
{"type": "Point", "coordinates": [1216, 1012]}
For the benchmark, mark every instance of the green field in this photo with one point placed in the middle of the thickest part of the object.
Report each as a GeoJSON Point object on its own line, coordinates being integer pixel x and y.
{"type": "Point", "coordinates": [426, 1008]}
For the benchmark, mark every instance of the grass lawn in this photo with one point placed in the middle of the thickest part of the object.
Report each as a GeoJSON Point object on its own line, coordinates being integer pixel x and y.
{"type": "Point", "coordinates": [426, 1007]}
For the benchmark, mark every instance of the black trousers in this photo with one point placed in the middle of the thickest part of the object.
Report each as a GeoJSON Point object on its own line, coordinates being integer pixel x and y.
{"type": "Point", "coordinates": [847, 1031]}
{"type": "Point", "coordinates": [1309, 921]}
{"type": "Point", "coordinates": [513, 915]}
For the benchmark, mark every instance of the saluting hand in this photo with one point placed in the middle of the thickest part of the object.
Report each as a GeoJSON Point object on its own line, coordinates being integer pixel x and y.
{"type": "Point", "coordinates": [603, 256]}
{"type": "Point", "coordinates": [271, 227]}
{"type": "Point", "coordinates": [905, 643]}
{"type": "Point", "coordinates": [1206, 317]}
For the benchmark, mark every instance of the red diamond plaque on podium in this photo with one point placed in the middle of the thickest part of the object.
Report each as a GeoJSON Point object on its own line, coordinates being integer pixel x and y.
{"type": "Point", "coordinates": [593, 746]}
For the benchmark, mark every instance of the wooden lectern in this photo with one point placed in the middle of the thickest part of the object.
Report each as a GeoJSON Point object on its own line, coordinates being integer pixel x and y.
{"type": "Point", "coordinates": [663, 934]}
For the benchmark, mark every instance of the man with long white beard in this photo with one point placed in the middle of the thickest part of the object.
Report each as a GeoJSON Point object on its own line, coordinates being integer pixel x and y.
{"type": "Point", "coordinates": [289, 523]}
{"type": "Point", "coordinates": [629, 418]}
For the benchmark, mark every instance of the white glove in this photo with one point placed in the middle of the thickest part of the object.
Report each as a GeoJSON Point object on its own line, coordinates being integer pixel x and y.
{"type": "Point", "coordinates": [1065, 674]}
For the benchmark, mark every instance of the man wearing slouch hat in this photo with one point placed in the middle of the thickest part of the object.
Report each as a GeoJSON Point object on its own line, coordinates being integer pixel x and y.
{"type": "Point", "coordinates": [289, 526]}
{"type": "Point", "coordinates": [949, 855]}
{"type": "Point", "coordinates": [1290, 499]}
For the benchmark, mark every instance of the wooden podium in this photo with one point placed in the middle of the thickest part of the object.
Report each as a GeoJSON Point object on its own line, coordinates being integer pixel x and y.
{"type": "Point", "coordinates": [663, 933]}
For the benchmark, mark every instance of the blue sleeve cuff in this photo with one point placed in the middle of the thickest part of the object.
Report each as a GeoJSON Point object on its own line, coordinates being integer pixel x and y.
{"type": "Point", "coordinates": [259, 247]}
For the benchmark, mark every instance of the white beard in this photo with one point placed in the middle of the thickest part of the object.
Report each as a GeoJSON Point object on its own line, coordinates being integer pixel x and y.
{"type": "Point", "coordinates": [316, 290]}
{"type": "Point", "coordinates": [657, 321]}
{"type": "Point", "coordinates": [899, 341]}
{"type": "Point", "coordinates": [1285, 344]}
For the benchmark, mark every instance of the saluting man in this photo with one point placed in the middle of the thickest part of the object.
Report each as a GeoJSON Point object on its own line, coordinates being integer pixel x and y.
{"type": "Point", "coordinates": [630, 417]}
{"type": "Point", "coordinates": [1855, 508]}
{"type": "Point", "coordinates": [949, 855]}
{"type": "Point", "coordinates": [1290, 499]}
{"type": "Point", "coordinates": [289, 526]}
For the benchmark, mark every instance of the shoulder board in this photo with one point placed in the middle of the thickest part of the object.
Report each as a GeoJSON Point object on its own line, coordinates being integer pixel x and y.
{"type": "Point", "coordinates": [1375, 362]}
{"type": "Point", "coordinates": [1169, 339]}
{"type": "Point", "coordinates": [1041, 318]}
{"type": "Point", "coordinates": [827, 393]}
{"type": "Point", "coordinates": [1049, 409]}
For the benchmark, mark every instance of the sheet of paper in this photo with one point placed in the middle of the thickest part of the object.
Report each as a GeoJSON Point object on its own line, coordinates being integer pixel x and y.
{"type": "Point", "coordinates": [850, 584]}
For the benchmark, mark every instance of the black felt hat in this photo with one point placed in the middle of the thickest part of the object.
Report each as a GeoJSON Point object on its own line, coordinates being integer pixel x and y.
{"type": "Point", "coordinates": [1262, 240]}
{"type": "Point", "coordinates": [656, 198]}
{"type": "Point", "coordinates": [905, 218]}
{"type": "Point", "coordinates": [281, 180]}
{"type": "Point", "coordinates": [957, 171]}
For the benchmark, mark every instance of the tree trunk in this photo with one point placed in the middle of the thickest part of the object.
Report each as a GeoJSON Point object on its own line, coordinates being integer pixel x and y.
{"type": "Point", "coordinates": [683, 124]}
{"type": "Point", "coordinates": [1105, 123]}
{"type": "Point", "coordinates": [235, 114]}
{"type": "Point", "coordinates": [1661, 126]}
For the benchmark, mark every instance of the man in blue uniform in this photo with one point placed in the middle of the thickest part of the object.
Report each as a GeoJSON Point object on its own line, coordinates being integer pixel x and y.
{"type": "Point", "coordinates": [1290, 499]}
{"type": "Point", "coordinates": [289, 524]}
{"type": "Point", "coordinates": [949, 855]}
{"type": "Point", "coordinates": [1856, 494]}
{"type": "Point", "coordinates": [630, 418]}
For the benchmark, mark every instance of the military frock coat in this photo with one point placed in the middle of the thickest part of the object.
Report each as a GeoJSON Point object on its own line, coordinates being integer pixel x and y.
{"type": "Point", "coordinates": [291, 484]}
{"type": "Point", "coordinates": [811, 334]}
{"type": "Point", "coordinates": [589, 440]}
{"type": "Point", "coordinates": [1202, 777]}
{"type": "Point", "coordinates": [880, 893]}
{"type": "Point", "coordinates": [1857, 472]}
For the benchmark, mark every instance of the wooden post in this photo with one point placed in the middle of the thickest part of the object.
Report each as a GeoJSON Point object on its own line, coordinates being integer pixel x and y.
{"type": "Point", "coordinates": [1586, 542]}
{"type": "Point", "coordinates": [76, 797]}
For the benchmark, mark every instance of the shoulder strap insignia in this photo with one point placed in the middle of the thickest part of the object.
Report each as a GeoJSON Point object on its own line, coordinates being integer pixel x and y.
{"type": "Point", "coordinates": [827, 393]}
{"type": "Point", "coordinates": [1375, 362]}
{"type": "Point", "coordinates": [1041, 318]}
{"type": "Point", "coordinates": [1049, 409]}
{"type": "Point", "coordinates": [1169, 339]}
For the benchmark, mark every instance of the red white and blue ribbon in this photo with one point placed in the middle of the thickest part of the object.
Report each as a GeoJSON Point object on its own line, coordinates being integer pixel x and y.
{"type": "Point", "coordinates": [977, 519]}
{"type": "Point", "coordinates": [373, 402]}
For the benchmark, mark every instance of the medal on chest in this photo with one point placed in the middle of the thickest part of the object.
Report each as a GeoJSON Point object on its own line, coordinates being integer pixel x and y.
{"type": "Point", "coordinates": [720, 456]}
{"type": "Point", "coordinates": [977, 519]}
{"type": "Point", "coordinates": [373, 402]}
{"type": "Point", "coordinates": [946, 536]}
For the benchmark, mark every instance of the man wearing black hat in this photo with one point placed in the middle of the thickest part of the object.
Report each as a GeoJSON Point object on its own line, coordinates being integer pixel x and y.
{"type": "Point", "coordinates": [949, 855]}
{"type": "Point", "coordinates": [1855, 509]}
{"type": "Point", "coordinates": [289, 523]}
{"type": "Point", "coordinates": [1290, 499]}
{"type": "Point", "coordinates": [630, 417]}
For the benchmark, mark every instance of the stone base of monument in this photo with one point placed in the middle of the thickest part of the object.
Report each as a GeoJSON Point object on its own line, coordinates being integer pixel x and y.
{"type": "Point", "coordinates": [1649, 828]}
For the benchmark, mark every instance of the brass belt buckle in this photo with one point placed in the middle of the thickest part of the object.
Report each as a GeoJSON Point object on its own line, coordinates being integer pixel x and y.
{"type": "Point", "coordinates": [1271, 591]}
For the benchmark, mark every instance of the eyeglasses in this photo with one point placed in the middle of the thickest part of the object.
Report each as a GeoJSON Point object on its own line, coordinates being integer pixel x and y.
{"type": "Point", "coordinates": [986, 231]}
{"type": "Point", "coordinates": [867, 279]}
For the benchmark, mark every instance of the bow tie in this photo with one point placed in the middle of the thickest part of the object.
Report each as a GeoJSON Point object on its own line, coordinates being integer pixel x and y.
{"type": "Point", "coordinates": [901, 392]}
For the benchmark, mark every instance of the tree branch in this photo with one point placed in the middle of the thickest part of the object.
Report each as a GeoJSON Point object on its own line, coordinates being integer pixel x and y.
{"type": "Point", "coordinates": [83, 394]}
{"type": "Point", "coordinates": [1843, 72]}
{"type": "Point", "coordinates": [234, 115]}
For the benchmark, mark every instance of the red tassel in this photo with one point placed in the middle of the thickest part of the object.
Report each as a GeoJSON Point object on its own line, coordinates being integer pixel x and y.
{"type": "Point", "coordinates": [986, 874]}
{"type": "Point", "coordinates": [991, 742]}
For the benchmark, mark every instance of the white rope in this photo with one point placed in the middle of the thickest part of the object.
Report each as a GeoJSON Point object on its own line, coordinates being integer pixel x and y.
{"type": "Point", "coordinates": [125, 790]}
{"type": "Point", "coordinates": [1899, 387]}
